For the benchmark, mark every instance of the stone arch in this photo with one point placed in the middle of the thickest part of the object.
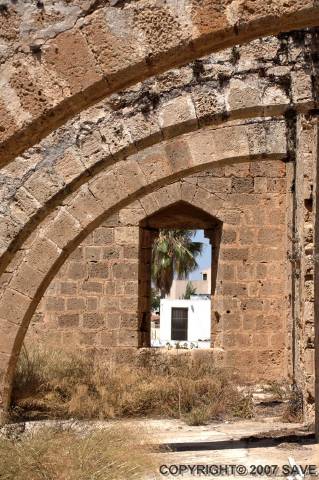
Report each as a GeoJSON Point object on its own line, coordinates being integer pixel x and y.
{"type": "Point", "coordinates": [33, 184]}
{"type": "Point", "coordinates": [104, 194]}
{"type": "Point", "coordinates": [102, 59]}
{"type": "Point", "coordinates": [33, 201]}
{"type": "Point", "coordinates": [44, 184]}
{"type": "Point", "coordinates": [250, 285]}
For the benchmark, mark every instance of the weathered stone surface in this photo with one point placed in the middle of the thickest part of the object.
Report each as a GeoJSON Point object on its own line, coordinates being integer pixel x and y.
{"type": "Point", "coordinates": [57, 193]}
{"type": "Point", "coordinates": [108, 293]}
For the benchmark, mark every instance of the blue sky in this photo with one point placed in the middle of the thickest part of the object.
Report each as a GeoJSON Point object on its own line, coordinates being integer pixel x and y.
{"type": "Point", "coordinates": [205, 259]}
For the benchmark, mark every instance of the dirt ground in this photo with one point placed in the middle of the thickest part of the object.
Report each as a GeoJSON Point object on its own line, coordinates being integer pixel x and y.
{"type": "Point", "coordinates": [245, 444]}
{"type": "Point", "coordinates": [261, 448]}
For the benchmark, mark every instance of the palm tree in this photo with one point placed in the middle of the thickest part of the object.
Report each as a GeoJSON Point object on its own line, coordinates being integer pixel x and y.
{"type": "Point", "coordinates": [174, 253]}
{"type": "Point", "coordinates": [190, 290]}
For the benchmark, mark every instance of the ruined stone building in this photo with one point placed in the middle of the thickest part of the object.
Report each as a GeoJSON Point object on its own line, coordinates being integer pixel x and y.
{"type": "Point", "coordinates": [121, 118]}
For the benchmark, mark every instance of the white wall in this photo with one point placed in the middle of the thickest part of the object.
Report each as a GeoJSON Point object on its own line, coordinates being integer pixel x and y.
{"type": "Point", "coordinates": [199, 319]}
{"type": "Point", "coordinates": [202, 286]}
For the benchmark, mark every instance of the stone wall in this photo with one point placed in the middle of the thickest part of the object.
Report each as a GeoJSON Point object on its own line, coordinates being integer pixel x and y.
{"type": "Point", "coordinates": [94, 296]}
{"type": "Point", "coordinates": [93, 300]}
{"type": "Point", "coordinates": [253, 102]}
{"type": "Point", "coordinates": [60, 58]}
{"type": "Point", "coordinates": [303, 258]}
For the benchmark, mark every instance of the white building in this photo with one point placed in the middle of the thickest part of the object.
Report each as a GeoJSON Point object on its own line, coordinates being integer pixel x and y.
{"type": "Point", "coordinates": [186, 322]}
{"type": "Point", "coordinates": [202, 286]}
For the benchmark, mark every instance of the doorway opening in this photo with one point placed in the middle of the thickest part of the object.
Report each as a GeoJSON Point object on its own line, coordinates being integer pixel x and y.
{"type": "Point", "coordinates": [179, 249]}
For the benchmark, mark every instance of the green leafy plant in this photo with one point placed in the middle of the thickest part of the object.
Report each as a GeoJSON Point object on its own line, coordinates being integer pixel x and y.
{"type": "Point", "coordinates": [189, 291]}
{"type": "Point", "coordinates": [155, 300]}
{"type": "Point", "coordinates": [174, 253]}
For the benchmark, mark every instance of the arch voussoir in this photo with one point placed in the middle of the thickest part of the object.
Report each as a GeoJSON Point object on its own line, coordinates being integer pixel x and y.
{"type": "Point", "coordinates": [92, 57]}
{"type": "Point", "coordinates": [114, 188]}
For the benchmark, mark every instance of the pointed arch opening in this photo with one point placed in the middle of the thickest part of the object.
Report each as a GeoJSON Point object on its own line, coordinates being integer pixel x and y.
{"type": "Point", "coordinates": [183, 318]}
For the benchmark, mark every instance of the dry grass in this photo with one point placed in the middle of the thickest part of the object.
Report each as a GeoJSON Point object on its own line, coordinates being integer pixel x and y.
{"type": "Point", "coordinates": [110, 454]}
{"type": "Point", "coordinates": [294, 410]}
{"type": "Point", "coordinates": [53, 384]}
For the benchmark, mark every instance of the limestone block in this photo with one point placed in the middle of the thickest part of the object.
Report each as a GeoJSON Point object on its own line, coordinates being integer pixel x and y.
{"type": "Point", "coordinates": [112, 38]}
{"type": "Point", "coordinates": [274, 96]}
{"type": "Point", "coordinates": [234, 253]}
{"type": "Point", "coordinates": [260, 185]}
{"type": "Point", "coordinates": [144, 130]}
{"type": "Point", "coordinates": [208, 103]}
{"type": "Point", "coordinates": [229, 236]}
{"type": "Point", "coordinates": [75, 303]}
{"type": "Point", "coordinates": [68, 288]}
{"type": "Point", "coordinates": [154, 163]}
{"type": "Point", "coordinates": [43, 184]}
{"type": "Point", "coordinates": [92, 149]}
{"type": "Point", "coordinates": [102, 236]}
{"type": "Point", "coordinates": [177, 115]}
{"type": "Point", "coordinates": [77, 270]}
{"type": "Point", "coordinates": [268, 168]}
{"type": "Point", "coordinates": [244, 94]}
{"type": "Point", "coordinates": [131, 216]}
{"type": "Point", "coordinates": [92, 287]}
{"type": "Point", "coordinates": [92, 253]}
{"type": "Point", "coordinates": [69, 320]}
{"type": "Point", "coordinates": [110, 303]}
{"type": "Point", "coordinates": [128, 338]}
{"type": "Point", "coordinates": [116, 136]}
{"type": "Point", "coordinates": [131, 176]}
{"type": "Point", "coordinates": [234, 289]}
{"type": "Point", "coordinates": [168, 195]}
{"type": "Point", "coordinates": [69, 166]}
{"type": "Point", "coordinates": [92, 303]}
{"type": "Point", "coordinates": [25, 202]}
{"type": "Point", "coordinates": [270, 236]}
{"type": "Point", "coordinates": [301, 87]}
{"type": "Point", "coordinates": [54, 304]}
{"type": "Point", "coordinates": [8, 333]}
{"type": "Point", "coordinates": [107, 188]}
{"type": "Point", "coordinates": [109, 288]}
{"type": "Point", "coordinates": [247, 236]}
{"type": "Point", "coordinates": [77, 67]}
{"type": "Point", "coordinates": [43, 254]}
{"type": "Point", "coordinates": [63, 228]}
{"type": "Point", "coordinates": [110, 338]}
{"type": "Point", "coordinates": [92, 320]}
{"type": "Point", "coordinates": [125, 270]}
{"type": "Point", "coordinates": [113, 320]}
{"type": "Point", "coordinates": [242, 185]}
{"type": "Point", "coordinates": [13, 306]}
{"type": "Point", "coordinates": [27, 280]}
{"type": "Point", "coordinates": [98, 270]}
{"type": "Point", "coordinates": [126, 235]}
{"type": "Point", "coordinates": [128, 304]}
{"type": "Point", "coordinates": [178, 155]}
{"type": "Point", "coordinates": [309, 362]}
{"type": "Point", "coordinates": [215, 184]}
{"type": "Point", "coordinates": [111, 252]}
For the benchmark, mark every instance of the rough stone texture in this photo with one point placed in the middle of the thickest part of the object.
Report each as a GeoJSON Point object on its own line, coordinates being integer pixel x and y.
{"type": "Point", "coordinates": [254, 103]}
{"type": "Point", "coordinates": [303, 258]}
{"type": "Point", "coordinates": [165, 106]}
{"type": "Point", "coordinates": [95, 290]}
{"type": "Point", "coordinates": [93, 302]}
{"type": "Point", "coordinates": [59, 58]}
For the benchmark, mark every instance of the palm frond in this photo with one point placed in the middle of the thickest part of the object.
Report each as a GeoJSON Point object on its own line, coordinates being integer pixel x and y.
{"type": "Point", "coordinates": [174, 253]}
